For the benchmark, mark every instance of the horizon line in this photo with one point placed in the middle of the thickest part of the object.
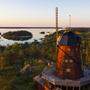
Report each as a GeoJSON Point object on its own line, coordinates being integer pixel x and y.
{"type": "Point", "coordinates": [36, 27]}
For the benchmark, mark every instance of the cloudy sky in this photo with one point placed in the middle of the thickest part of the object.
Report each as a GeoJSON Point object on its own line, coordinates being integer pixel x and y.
{"type": "Point", "coordinates": [42, 12]}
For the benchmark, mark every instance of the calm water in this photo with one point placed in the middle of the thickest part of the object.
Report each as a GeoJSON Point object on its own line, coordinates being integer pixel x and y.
{"type": "Point", "coordinates": [35, 32]}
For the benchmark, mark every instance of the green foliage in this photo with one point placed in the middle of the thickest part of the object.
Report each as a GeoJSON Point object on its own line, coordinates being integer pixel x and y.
{"type": "Point", "coordinates": [16, 56]}
{"type": "Point", "coordinates": [18, 35]}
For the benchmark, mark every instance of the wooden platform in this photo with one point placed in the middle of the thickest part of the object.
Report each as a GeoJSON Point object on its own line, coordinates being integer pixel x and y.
{"type": "Point", "coordinates": [39, 80]}
{"type": "Point", "coordinates": [49, 75]}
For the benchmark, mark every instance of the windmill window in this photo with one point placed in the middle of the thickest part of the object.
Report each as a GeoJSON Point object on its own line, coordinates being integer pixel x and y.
{"type": "Point", "coordinates": [76, 49]}
{"type": "Point", "coordinates": [68, 70]}
{"type": "Point", "coordinates": [69, 49]}
{"type": "Point", "coordinates": [71, 61]}
{"type": "Point", "coordinates": [66, 61]}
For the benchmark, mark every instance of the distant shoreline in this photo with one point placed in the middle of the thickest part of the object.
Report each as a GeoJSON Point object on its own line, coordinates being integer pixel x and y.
{"type": "Point", "coordinates": [29, 27]}
{"type": "Point", "coordinates": [42, 28]}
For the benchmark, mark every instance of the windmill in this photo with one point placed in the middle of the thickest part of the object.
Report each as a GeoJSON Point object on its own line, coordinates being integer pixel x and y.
{"type": "Point", "coordinates": [67, 74]}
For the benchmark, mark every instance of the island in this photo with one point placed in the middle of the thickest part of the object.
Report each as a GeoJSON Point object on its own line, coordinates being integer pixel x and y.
{"type": "Point", "coordinates": [42, 32]}
{"type": "Point", "coordinates": [18, 35]}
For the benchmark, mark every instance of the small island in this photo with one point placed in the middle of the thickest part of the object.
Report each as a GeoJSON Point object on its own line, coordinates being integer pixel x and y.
{"type": "Point", "coordinates": [17, 35]}
{"type": "Point", "coordinates": [42, 32]}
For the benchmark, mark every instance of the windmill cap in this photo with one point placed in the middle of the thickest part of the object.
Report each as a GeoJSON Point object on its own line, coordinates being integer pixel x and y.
{"type": "Point", "coordinates": [70, 39]}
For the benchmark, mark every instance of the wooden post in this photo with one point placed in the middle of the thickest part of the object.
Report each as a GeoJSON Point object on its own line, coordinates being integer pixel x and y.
{"type": "Point", "coordinates": [56, 22]}
{"type": "Point", "coordinates": [73, 88]}
{"type": "Point", "coordinates": [70, 22]}
{"type": "Point", "coordinates": [66, 87]}
{"type": "Point", "coordinates": [56, 12]}
{"type": "Point", "coordinates": [79, 88]}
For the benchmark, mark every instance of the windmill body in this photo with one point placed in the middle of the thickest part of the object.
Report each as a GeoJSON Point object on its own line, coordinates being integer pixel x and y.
{"type": "Point", "coordinates": [69, 57]}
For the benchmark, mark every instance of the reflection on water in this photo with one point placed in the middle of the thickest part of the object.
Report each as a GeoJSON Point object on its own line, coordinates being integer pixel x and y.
{"type": "Point", "coordinates": [35, 32]}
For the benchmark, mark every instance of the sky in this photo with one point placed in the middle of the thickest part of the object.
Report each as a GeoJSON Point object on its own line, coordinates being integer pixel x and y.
{"type": "Point", "coordinates": [42, 12]}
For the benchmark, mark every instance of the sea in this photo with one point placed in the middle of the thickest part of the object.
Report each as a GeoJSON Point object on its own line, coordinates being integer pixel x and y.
{"type": "Point", "coordinates": [36, 35]}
